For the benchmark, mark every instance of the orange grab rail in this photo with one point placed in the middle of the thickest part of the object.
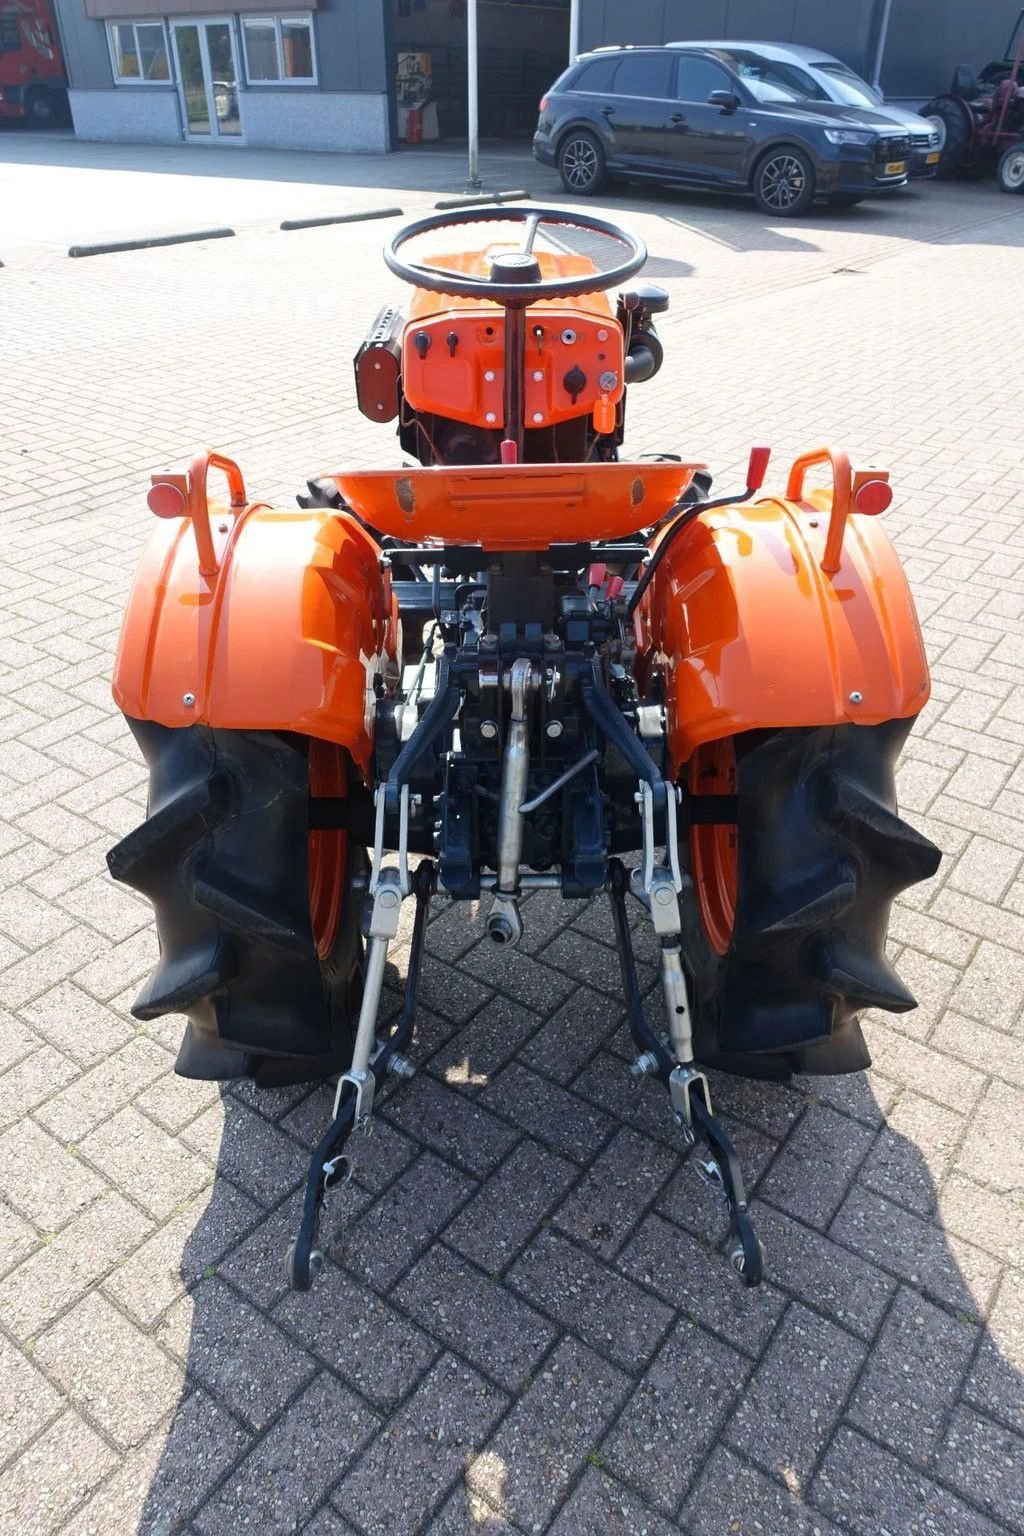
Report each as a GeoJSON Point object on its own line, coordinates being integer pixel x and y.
{"type": "Point", "coordinates": [842, 497]}
{"type": "Point", "coordinates": [185, 495]}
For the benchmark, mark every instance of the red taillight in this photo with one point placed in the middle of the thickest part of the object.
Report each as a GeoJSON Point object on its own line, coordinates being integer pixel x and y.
{"type": "Point", "coordinates": [543, 104]}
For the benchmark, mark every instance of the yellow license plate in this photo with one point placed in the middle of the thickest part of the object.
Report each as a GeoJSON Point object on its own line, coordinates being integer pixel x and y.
{"type": "Point", "coordinates": [933, 158]}
{"type": "Point", "coordinates": [895, 167]}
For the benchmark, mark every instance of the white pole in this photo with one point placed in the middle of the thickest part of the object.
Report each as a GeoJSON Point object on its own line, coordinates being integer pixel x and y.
{"type": "Point", "coordinates": [574, 30]}
{"type": "Point", "coordinates": [472, 82]}
{"type": "Point", "coordinates": [883, 33]}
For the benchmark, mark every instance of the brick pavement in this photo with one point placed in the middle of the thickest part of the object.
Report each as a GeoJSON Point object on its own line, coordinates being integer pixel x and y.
{"type": "Point", "coordinates": [523, 1326]}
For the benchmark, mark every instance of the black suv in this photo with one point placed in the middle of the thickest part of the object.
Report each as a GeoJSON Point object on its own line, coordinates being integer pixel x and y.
{"type": "Point", "coordinates": [724, 116]}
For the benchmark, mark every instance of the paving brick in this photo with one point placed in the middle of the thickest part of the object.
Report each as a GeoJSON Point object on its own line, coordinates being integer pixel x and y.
{"type": "Point", "coordinates": [615, 1192]}
{"type": "Point", "coordinates": [176, 1255]}
{"type": "Point", "coordinates": [482, 1047]}
{"type": "Point", "coordinates": [549, 1434]}
{"type": "Point", "coordinates": [599, 1503]}
{"type": "Point", "coordinates": [991, 1153]}
{"type": "Point", "coordinates": [58, 1273]}
{"type": "Point", "coordinates": [114, 1375]}
{"type": "Point", "coordinates": [501, 1217]}
{"type": "Point", "coordinates": [399, 1226]}
{"type": "Point", "coordinates": [378, 1351]}
{"type": "Point", "coordinates": [813, 1171]}
{"type": "Point", "coordinates": [675, 1415]}
{"type": "Point", "coordinates": [143, 1161]}
{"type": "Point", "coordinates": [985, 1461]}
{"type": "Point", "coordinates": [520, 976]}
{"type": "Point", "coordinates": [991, 1050]}
{"type": "Point", "coordinates": [435, 1115]}
{"type": "Point", "coordinates": [77, 1024]}
{"type": "Point", "coordinates": [255, 1155]}
{"type": "Point", "coordinates": [568, 1124]}
{"type": "Point", "coordinates": [420, 1453]}
{"type": "Point", "coordinates": [287, 1473]}
{"type": "Point", "coordinates": [955, 1273]}
{"type": "Point", "coordinates": [700, 1283]}
{"type": "Point", "coordinates": [32, 1080]}
{"type": "Point", "coordinates": [994, 1382]}
{"type": "Point", "coordinates": [913, 1376]}
{"type": "Point", "coordinates": [927, 1072]}
{"type": "Point", "coordinates": [473, 1314]}
{"type": "Point", "coordinates": [17, 1238]}
{"type": "Point", "coordinates": [872, 1493]}
{"type": "Point", "coordinates": [161, 1484]}
{"type": "Point", "coordinates": [41, 1180]}
{"type": "Point", "coordinates": [33, 1501]}
{"type": "Point", "coordinates": [79, 1108]}
{"type": "Point", "coordinates": [913, 1153]}
{"type": "Point", "coordinates": [985, 868]}
{"type": "Point", "coordinates": [571, 1035]}
{"type": "Point", "coordinates": [823, 1274]}
{"type": "Point", "coordinates": [734, 1499]}
{"type": "Point", "coordinates": [992, 989]}
{"type": "Point", "coordinates": [29, 1401]}
{"type": "Point", "coordinates": [606, 1309]}
{"type": "Point", "coordinates": [467, 1513]}
{"type": "Point", "coordinates": [989, 1218]}
{"type": "Point", "coordinates": [256, 1266]}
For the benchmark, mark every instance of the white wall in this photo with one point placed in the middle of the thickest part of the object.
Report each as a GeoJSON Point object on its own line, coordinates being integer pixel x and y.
{"type": "Point", "coordinates": [332, 120]}
{"type": "Point", "coordinates": [146, 116]}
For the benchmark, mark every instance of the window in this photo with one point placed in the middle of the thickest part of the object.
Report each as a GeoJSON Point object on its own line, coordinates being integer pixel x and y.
{"type": "Point", "coordinates": [846, 86]}
{"type": "Point", "coordinates": [279, 49]}
{"type": "Point", "coordinates": [138, 50]}
{"type": "Point", "coordinates": [10, 35]}
{"type": "Point", "coordinates": [643, 74]}
{"type": "Point", "coordinates": [698, 77]}
{"type": "Point", "coordinates": [771, 80]}
{"type": "Point", "coordinates": [596, 77]}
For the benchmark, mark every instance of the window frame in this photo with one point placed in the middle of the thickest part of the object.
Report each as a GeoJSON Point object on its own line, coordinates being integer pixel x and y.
{"type": "Point", "coordinates": [640, 56]}
{"type": "Point", "coordinates": [731, 82]}
{"type": "Point", "coordinates": [279, 17]}
{"type": "Point", "coordinates": [140, 78]}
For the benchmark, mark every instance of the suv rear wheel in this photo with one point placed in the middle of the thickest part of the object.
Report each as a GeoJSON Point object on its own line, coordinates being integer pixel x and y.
{"type": "Point", "coordinates": [784, 182]}
{"type": "Point", "coordinates": [581, 163]}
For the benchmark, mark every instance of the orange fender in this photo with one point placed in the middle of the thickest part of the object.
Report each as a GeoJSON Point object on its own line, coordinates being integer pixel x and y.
{"type": "Point", "coordinates": [753, 634]}
{"type": "Point", "coordinates": [286, 634]}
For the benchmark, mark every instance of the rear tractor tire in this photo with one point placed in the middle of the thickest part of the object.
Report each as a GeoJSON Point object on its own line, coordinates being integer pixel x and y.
{"type": "Point", "coordinates": [952, 120]}
{"type": "Point", "coordinates": [257, 916]}
{"type": "Point", "coordinates": [785, 922]}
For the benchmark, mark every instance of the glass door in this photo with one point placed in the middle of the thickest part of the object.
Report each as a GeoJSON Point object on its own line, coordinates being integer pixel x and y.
{"type": "Point", "coordinates": [207, 79]}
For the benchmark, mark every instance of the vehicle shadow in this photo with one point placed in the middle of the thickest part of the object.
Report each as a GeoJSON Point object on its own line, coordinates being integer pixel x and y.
{"type": "Point", "coordinates": [867, 1377]}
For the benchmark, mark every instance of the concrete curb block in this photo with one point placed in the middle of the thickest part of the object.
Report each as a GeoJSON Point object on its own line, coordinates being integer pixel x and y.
{"type": "Point", "coordinates": [342, 218]}
{"type": "Point", "coordinates": [470, 199]}
{"type": "Point", "coordinates": [147, 242]}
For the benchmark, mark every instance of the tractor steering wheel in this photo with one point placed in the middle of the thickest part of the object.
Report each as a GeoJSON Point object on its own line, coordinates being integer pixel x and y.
{"type": "Point", "coordinates": [515, 279]}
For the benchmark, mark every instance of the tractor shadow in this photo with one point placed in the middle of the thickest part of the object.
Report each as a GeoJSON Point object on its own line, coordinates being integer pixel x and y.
{"type": "Point", "coordinates": [881, 1322]}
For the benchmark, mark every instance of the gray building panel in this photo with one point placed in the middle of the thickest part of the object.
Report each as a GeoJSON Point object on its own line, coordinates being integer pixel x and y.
{"type": "Point", "coordinates": [84, 45]}
{"type": "Point", "coordinates": [350, 35]}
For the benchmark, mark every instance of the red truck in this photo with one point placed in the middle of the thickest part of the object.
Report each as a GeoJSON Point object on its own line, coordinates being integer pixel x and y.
{"type": "Point", "coordinates": [32, 81]}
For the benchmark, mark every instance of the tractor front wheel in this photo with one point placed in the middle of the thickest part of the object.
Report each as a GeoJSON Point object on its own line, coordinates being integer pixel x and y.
{"type": "Point", "coordinates": [785, 920]}
{"type": "Point", "coordinates": [257, 915]}
{"type": "Point", "coordinates": [953, 121]}
{"type": "Point", "coordinates": [1010, 170]}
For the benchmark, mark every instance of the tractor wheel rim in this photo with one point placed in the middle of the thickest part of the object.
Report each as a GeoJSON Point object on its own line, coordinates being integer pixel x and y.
{"type": "Point", "coordinates": [939, 124]}
{"type": "Point", "coordinates": [579, 163]}
{"type": "Point", "coordinates": [713, 846]}
{"type": "Point", "coordinates": [328, 849]}
{"type": "Point", "coordinates": [782, 182]}
{"type": "Point", "coordinates": [1013, 170]}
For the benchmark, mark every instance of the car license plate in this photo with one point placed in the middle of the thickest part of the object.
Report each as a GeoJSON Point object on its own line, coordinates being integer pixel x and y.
{"type": "Point", "coordinates": [933, 158]}
{"type": "Point", "coordinates": [895, 167]}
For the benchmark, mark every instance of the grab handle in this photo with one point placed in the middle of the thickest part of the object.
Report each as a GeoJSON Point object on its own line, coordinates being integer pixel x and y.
{"type": "Point", "coordinates": [185, 495]}
{"type": "Point", "coordinates": [842, 497]}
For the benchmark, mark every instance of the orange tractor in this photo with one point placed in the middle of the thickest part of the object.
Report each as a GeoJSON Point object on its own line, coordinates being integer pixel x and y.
{"type": "Point", "coordinates": [503, 670]}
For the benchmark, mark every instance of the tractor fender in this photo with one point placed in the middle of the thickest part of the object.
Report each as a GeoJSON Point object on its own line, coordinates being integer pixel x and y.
{"type": "Point", "coordinates": [287, 634]}
{"type": "Point", "coordinates": [751, 633]}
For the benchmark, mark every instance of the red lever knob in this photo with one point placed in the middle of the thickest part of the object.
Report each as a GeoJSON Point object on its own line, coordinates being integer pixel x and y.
{"type": "Point", "coordinates": [166, 500]}
{"type": "Point", "coordinates": [757, 467]}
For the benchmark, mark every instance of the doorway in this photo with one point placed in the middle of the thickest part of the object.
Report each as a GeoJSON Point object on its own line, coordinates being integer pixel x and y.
{"type": "Point", "coordinates": [208, 80]}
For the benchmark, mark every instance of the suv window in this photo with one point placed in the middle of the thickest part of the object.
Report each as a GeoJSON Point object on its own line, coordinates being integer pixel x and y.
{"type": "Point", "coordinates": [596, 77]}
{"type": "Point", "coordinates": [10, 35]}
{"type": "Point", "coordinates": [643, 74]}
{"type": "Point", "coordinates": [772, 80]}
{"type": "Point", "coordinates": [698, 77]}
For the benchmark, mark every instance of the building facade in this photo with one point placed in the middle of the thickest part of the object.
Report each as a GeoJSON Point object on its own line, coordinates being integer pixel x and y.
{"type": "Point", "coordinates": [363, 75]}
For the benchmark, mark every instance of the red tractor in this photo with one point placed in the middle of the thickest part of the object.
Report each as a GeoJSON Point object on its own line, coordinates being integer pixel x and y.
{"type": "Point", "coordinates": [514, 662]}
{"type": "Point", "coordinates": [982, 121]}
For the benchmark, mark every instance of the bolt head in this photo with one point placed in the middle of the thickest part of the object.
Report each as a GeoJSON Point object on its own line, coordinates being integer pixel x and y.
{"type": "Point", "coordinates": [663, 896]}
{"type": "Point", "coordinates": [489, 375]}
{"type": "Point", "coordinates": [488, 729]}
{"type": "Point", "coordinates": [388, 899]}
{"type": "Point", "coordinates": [856, 698]}
{"type": "Point", "coordinates": [555, 729]}
{"type": "Point", "coordinates": [188, 699]}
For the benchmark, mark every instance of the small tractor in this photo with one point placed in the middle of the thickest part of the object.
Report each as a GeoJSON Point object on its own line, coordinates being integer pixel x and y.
{"type": "Point", "coordinates": [982, 120]}
{"type": "Point", "coordinates": [501, 670]}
